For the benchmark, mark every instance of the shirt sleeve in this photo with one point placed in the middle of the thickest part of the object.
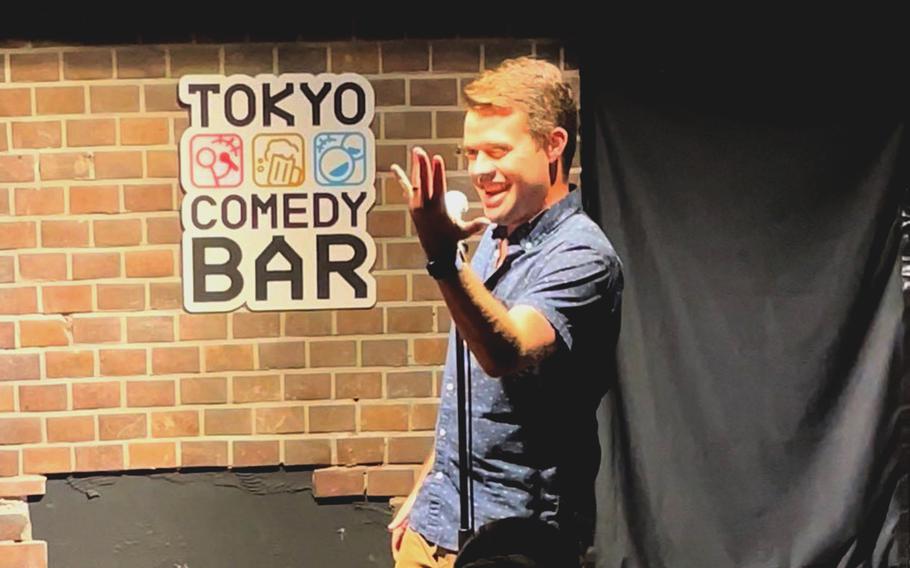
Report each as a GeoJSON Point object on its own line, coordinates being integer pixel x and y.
{"type": "Point", "coordinates": [575, 284]}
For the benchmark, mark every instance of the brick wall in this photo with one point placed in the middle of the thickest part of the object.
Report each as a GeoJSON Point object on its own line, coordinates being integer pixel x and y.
{"type": "Point", "coordinates": [101, 369]}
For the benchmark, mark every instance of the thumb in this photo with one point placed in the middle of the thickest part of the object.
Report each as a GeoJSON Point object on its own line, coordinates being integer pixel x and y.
{"type": "Point", "coordinates": [475, 226]}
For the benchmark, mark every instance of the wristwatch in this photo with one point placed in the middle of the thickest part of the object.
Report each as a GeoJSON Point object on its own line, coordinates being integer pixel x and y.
{"type": "Point", "coordinates": [445, 267]}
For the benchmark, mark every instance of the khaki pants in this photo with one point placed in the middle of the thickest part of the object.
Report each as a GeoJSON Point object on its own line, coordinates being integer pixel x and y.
{"type": "Point", "coordinates": [416, 552]}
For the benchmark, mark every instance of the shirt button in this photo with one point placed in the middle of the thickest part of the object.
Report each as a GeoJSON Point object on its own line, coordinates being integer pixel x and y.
{"type": "Point", "coordinates": [438, 475]}
{"type": "Point", "coordinates": [442, 432]}
{"type": "Point", "coordinates": [450, 387]}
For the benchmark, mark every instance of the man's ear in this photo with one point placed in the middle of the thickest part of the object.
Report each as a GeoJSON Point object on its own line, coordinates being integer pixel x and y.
{"type": "Point", "coordinates": [556, 143]}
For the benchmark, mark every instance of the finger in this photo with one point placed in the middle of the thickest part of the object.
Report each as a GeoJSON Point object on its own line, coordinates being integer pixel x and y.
{"type": "Point", "coordinates": [439, 180]}
{"type": "Point", "coordinates": [424, 187]}
{"type": "Point", "coordinates": [403, 180]}
{"type": "Point", "coordinates": [416, 198]}
{"type": "Point", "coordinates": [474, 226]}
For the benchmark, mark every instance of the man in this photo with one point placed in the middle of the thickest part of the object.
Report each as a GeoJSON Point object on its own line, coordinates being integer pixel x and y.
{"type": "Point", "coordinates": [538, 308]}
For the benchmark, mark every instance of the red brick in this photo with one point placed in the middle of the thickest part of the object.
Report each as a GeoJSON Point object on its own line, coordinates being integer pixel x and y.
{"type": "Point", "coordinates": [307, 387]}
{"type": "Point", "coordinates": [383, 417]}
{"type": "Point", "coordinates": [60, 100]}
{"type": "Point", "coordinates": [153, 455]}
{"type": "Point", "coordinates": [405, 255]}
{"type": "Point", "coordinates": [228, 358]}
{"type": "Point", "coordinates": [204, 454]}
{"type": "Point", "coordinates": [410, 449]}
{"type": "Point", "coordinates": [26, 554]}
{"type": "Point", "coordinates": [186, 60]}
{"type": "Point", "coordinates": [45, 201]}
{"type": "Point", "coordinates": [171, 360]}
{"type": "Point", "coordinates": [88, 64]}
{"type": "Point", "coordinates": [385, 353]}
{"type": "Point", "coordinates": [43, 333]}
{"type": "Point", "coordinates": [18, 366]}
{"type": "Point", "coordinates": [161, 98]}
{"type": "Point", "coordinates": [94, 199]}
{"type": "Point", "coordinates": [46, 460]}
{"type": "Point", "coordinates": [255, 453]}
{"type": "Point", "coordinates": [122, 362]}
{"type": "Point", "coordinates": [118, 232]}
{"type": "Point", "coordinates": [18, 300]}
{"type": "Point", "coordinates": [69, 165]}
{"type": "Point", "coordinates": [15, 169]}
{"type": "Point", "coordinates": [34, 67]}
{"type": "Point", "coordinates": [7, 269]}
{"type": "Point", "coordinates": [228, 421]}
{"type": "Point", "coordinates": [339, 482]}
{"type": "Point", "coordinates": [174, 424]}
{"type": "Point", "coordinates": [308, 324]}
{"type": "Point", "coordinates": [96, 395]}
{"type": "Point", "coordinates": [434, 92]}
{"type": "Point", "coordinates": [153, 197]}
{"type": "Point", "coordinates": [355, 57]}
{"type": "Point", "coordinates": [166, 295]}
{"type": "Point", "coordinates": [15, 102]}
{"type": "Point", "coordinates": [392, 288]}
{"type": "Point", "coordinates": [91, 132]}
{"type": "Point", "coordinates": [65, 233]}
{"type": "Point", "coordinates": [357, 322]}
{"type": "Point", "coordinates": [149, 329]}
{"type": "Point", "coordinates": [203, 326]}
{"type": "Point", "coordinates": [165, 231]}
{"type": "Point", "coordinates": [88, 266]}
{"type": "Point", "coordinates": [409, 384]}
{"type": "Point", "coordinates": [118, 165]}
{"type": "Point", "coordinates": [162, 163]}
{"type": "Point", "coordinates": [150, 393]}
{"type": "Point", "coordinates": [280, 420]}
{"type": "Point", "coordinates": [20, 431]}
{"type": "Point", "coordinates": [7, 400]}
{"type": "Point", "coordinates": [294, 58]}
{"type": "Point", "coordinates": [17, 235]}
{"type": "Point", "coordinates": [99, 458]}
{"type": "Point", "coordinates": [390, 482]}
{"type": "Point", "coordinates": [358, 385]}
{"type": "Point", "coordinates": [332, 418]}
{"type": "Point", "coordinates": [149, 263]}
{"type": "Point", "coordinates": [256, 388]}
{"type": "Point", "coordinates": [282, 355]}
{"type": "Point", "coordinates": [307, 452]}
{"type": "Point", "coordinates": [456, 55]}
{"type": "Point", "coordinates": [122, 426]}
{"type": "Point", "coordinates": [71, 429]}
{"type": "Point", "coordinates": [404, 56]}
{"type": "Point", "coordinates": [386, 223]}
{"type": "Point", "coordinates": [33, 135]}
{"type": "Point", "coordinates": [23, 486]}
{"type": "Point", "coordinates": [41, 398]}
{"type": "Point", "coordinates": [430, 351]}
{"type": "Point", "coordinates": [121, 297]}
{"type": "Point", "coordinates": [203, 390]}
{"type": "Point", "coordinates": [114, 99]}
{"type": "Point", "coordinates": [246, 325]}
{"type": "Point", "coordinates": [358, 451]}
{"type": "Point", "coordinates": [333, 354]}
{"type": "Point", "coordinates": [66, 299]}
{"type": "Point", "coordinates": [69, 364]}
{"type": "Point", "coordinates": [144, 131]}
{"type": "Point", "coordinates": [9, 463]}
{"type": "Point", "coordinates": [248, 59]}
{"type": "Point", "coordinates": [423, 416]}
{"type": "Point", "coordinates": [418, 319]}
{"type": "Point", "coordinates": [44, 266]}
{"type": "Point", "coordinates": [140, 62]}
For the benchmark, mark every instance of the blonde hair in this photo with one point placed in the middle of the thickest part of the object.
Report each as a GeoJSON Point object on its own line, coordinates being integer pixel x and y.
{"type": "Point", "coordinates": [535, 87]}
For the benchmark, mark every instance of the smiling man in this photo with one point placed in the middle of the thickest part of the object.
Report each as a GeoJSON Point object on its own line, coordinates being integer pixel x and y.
{"type": "Point", "coordinates": [538, 307]}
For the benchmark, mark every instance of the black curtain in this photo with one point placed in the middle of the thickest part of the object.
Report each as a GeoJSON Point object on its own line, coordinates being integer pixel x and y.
{"type": "Point", "coordinates": [753, 195]}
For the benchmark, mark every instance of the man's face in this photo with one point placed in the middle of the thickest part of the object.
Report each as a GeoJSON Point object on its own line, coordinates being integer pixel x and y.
{"type": "Point", "coordinates": [508, 169]}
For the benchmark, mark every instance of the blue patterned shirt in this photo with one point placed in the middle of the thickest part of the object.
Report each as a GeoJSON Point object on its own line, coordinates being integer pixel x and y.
{"type": "Point", "coordinates": [534, 435]}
